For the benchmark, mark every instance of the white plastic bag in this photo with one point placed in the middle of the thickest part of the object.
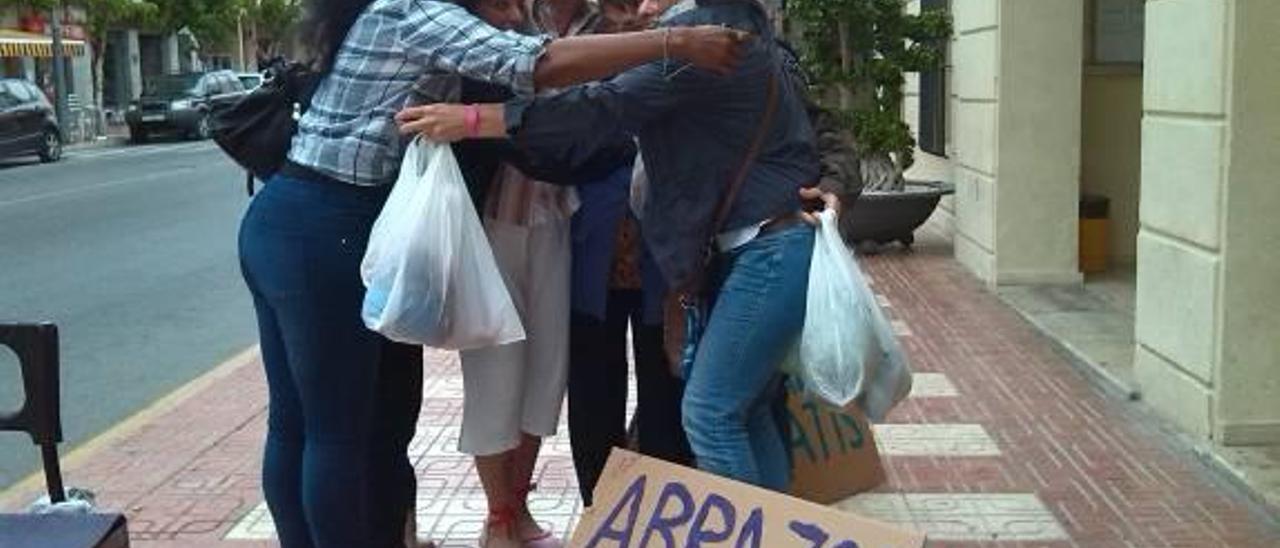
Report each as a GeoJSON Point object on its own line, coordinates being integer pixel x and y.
{"type": "Point", "coordinates": [847, 349]}
{"type": "Point", "coordinates": [78, 501]}
{"type": "Point", "coordinates": [429, 273]}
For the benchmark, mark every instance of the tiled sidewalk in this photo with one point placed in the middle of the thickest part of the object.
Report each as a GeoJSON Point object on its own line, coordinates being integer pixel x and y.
{"type": "Point", "coordinates": [1002, 443]}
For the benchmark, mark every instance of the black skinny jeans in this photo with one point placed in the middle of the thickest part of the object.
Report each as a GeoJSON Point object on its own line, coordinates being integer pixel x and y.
{"type": "Point", "coordinates": [598, 390]}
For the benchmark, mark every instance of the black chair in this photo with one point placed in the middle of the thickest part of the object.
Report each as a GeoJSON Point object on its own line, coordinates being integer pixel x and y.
{"type": "Point", "coordinates": [36, 346]}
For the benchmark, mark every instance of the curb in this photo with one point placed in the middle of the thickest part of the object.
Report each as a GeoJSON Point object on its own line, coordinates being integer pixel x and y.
{"type": "Point", "coordinates": [1212, 461]}
{"type": "Point", "coordinates": [103, 142]}
{"type": "Point", "coordinates": [1095, 372]}
{"type": "Point", "coordinates": [34, 483]}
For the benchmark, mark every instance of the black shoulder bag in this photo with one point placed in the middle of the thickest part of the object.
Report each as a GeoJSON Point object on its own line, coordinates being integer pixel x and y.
{"type": "Point", "coordinates": [257, 131]}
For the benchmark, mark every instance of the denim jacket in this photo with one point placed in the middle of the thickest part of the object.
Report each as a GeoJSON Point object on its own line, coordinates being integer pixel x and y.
{"type": "Point", "coordinates": [694, 129]}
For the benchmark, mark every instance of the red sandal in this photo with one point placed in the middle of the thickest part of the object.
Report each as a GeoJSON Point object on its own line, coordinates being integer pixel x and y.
{"type": "Point", "coordinates": [502, 518]}
{"type": "Point", "coordinates": [547, 539]}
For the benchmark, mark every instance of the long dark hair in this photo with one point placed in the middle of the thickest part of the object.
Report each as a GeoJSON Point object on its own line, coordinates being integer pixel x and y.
{"type": "Point", "coordinates": [326, 25]}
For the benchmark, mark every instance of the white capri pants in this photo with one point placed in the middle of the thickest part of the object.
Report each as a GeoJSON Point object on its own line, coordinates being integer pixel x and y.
{"type": "Point", "coordinates": [520, 387]}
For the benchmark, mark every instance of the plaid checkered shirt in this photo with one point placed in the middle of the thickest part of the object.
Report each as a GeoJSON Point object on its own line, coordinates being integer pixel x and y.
{"type": "Point", "coordinates": [349, 132]}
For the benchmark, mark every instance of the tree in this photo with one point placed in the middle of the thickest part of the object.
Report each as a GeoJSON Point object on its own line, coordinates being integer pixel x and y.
{"type": "Point", "coordinates": [212, 22]}
{"type": "Point", "coordinates": [219, 23]}
{"type": "Point", "coordinates": [274, 22]}
{"type": "Point", "coordinates": [859, 51]}
{"type": "Point", "coordinates": [101, 16]}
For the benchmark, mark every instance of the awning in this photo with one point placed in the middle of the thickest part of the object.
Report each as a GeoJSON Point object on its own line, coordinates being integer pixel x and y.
{"type": "Point", "coordinates": [14, 43]}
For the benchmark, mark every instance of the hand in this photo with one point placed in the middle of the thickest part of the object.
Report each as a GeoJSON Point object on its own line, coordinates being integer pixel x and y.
{"type": "Point", "coordinates": [815, 201]}
{"type": "Point", "coordinates": [713, 48]}
{"type": "Point", "coordinates": [441, 122]}
{"type": "Point", "coordinates": [651, 10]}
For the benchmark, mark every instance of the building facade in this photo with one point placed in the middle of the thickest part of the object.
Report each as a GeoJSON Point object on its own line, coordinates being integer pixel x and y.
{"type": "Point", "coordinates": [1168, 109]}
{"type": "Point", "coordinates": [26, 52]}
{"type": "Point", "coordinates": [130, 58]}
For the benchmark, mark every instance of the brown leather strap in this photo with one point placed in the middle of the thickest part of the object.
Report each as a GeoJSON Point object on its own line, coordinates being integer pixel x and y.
{"type": "Point", "coordinates": [739, 177]}
{"type": "Point", "coordinates": [678, 303]}
{"type": "Point", "coordinates": [782, 222]}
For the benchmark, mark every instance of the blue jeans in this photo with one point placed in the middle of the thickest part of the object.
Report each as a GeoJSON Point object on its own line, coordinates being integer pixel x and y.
{"type": "Point", "coordinates": [731, 398]}
{"type": "Point", "coordinates": [343, 400]}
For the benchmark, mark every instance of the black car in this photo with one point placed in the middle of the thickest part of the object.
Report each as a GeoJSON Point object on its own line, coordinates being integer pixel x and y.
{"type": "Point", "coordinates": [181, 103]}
{"type": "Point", "coordinates": [27, 122]}
{"type": "Point", "coordinates": [251, 80]}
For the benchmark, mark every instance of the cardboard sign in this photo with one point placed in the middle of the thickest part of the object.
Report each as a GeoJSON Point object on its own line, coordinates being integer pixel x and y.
{"type": "Point", "coordinates": [833, 452]}
{"type": "Point", "coordinates": [647, 503]}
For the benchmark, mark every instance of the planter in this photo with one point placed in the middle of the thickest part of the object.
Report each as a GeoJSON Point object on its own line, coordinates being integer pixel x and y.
{"type": "Point", "coordinates": [886, 217]}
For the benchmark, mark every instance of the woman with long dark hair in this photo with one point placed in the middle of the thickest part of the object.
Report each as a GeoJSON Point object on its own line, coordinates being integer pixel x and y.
{"type": "Point", "coordinates": [344, 400]}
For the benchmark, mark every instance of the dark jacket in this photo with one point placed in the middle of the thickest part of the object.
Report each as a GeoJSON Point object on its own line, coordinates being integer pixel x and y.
{"type": "Point", "coordinates": [694, 129]}
{"type": "Point", "coordinates": [603, 205]}
{"type": "Point", "coordinates": [479, 159]}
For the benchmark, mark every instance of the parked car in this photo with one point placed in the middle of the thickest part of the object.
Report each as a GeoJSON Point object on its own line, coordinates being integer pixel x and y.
{"type": "Point", "coordinates": [27, 122]}
{"type": "Point", "coordinates": [181, 103]}
{"type": "Point", "coordinates": [251, 80]}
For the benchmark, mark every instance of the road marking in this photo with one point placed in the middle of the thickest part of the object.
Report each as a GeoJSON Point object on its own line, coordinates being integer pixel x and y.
{"type": "Point", "coordinates": [123, 429]}
{"type": "Point", "coordinates": [956, 517]}
{"type": "Point", "coordinates": [101, 186]}
{"type": "Point", "coordinates": [140, 151]}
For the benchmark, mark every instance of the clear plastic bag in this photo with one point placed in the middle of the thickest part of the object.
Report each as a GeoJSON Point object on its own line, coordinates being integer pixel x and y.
{"type": "Point", "coordinates": [848, 350]}
{"type": "Point", "coordinates": [429, 273]}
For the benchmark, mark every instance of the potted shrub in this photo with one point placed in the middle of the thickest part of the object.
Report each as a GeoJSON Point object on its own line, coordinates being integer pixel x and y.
{"type": "Point", "coordinates": [857, 52]}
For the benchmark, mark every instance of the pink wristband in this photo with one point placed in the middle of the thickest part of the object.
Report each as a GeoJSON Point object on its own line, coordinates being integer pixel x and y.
{"type": "Point", "coordinates": [473, 120]}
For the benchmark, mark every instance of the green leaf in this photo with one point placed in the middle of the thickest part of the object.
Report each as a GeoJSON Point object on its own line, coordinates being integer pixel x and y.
{"type": "Point", "coordinates": [885, 42]}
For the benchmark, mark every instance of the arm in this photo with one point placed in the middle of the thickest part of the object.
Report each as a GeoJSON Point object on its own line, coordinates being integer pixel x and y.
{"type": "Point", "coordinates": [571, 131]}
{"type": "Point", "coordinates": [566, 131]}
{"type": "Point", "coordinates": [605, 154]}
{"type": "Point", "coordinates": [580, 59]}
{"type": "Point", "coordinates": [603, 161]}
{"type": "Point", "coordinates": [569, 128]}
{"type": "Point", "coordinates": [444, 36]}
{"type": "Point", "coordinates": [573, 118]}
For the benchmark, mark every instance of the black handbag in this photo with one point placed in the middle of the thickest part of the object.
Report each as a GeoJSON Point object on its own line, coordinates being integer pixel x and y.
{"type": "Point", "coordinates": [257, 131]}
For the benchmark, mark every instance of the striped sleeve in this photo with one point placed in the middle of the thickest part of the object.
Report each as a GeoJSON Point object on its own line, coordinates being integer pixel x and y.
{"type": "Point", "coordinates": [445, 37]}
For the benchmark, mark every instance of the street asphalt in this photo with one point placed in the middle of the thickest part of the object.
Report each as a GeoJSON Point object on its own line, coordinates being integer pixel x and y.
{"type": "Point", "coordinates": [132, 252]}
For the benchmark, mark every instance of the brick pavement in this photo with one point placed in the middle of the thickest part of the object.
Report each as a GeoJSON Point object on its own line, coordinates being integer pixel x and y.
{"type": "Point", "coordinates": [1003, 443]}
{"type": "Point", "coordinates": [1108, 472]}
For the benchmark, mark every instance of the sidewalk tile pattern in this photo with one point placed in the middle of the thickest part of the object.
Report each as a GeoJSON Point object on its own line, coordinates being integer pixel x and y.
{"type": "Point", "coordinates": [1072, 466]}
{"type": "Point", "coordinates": [935, 440]}
{"type": "Point", "coordinates": [932, 385]}
{"type": "Point", "coordinates": [964, 517]}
